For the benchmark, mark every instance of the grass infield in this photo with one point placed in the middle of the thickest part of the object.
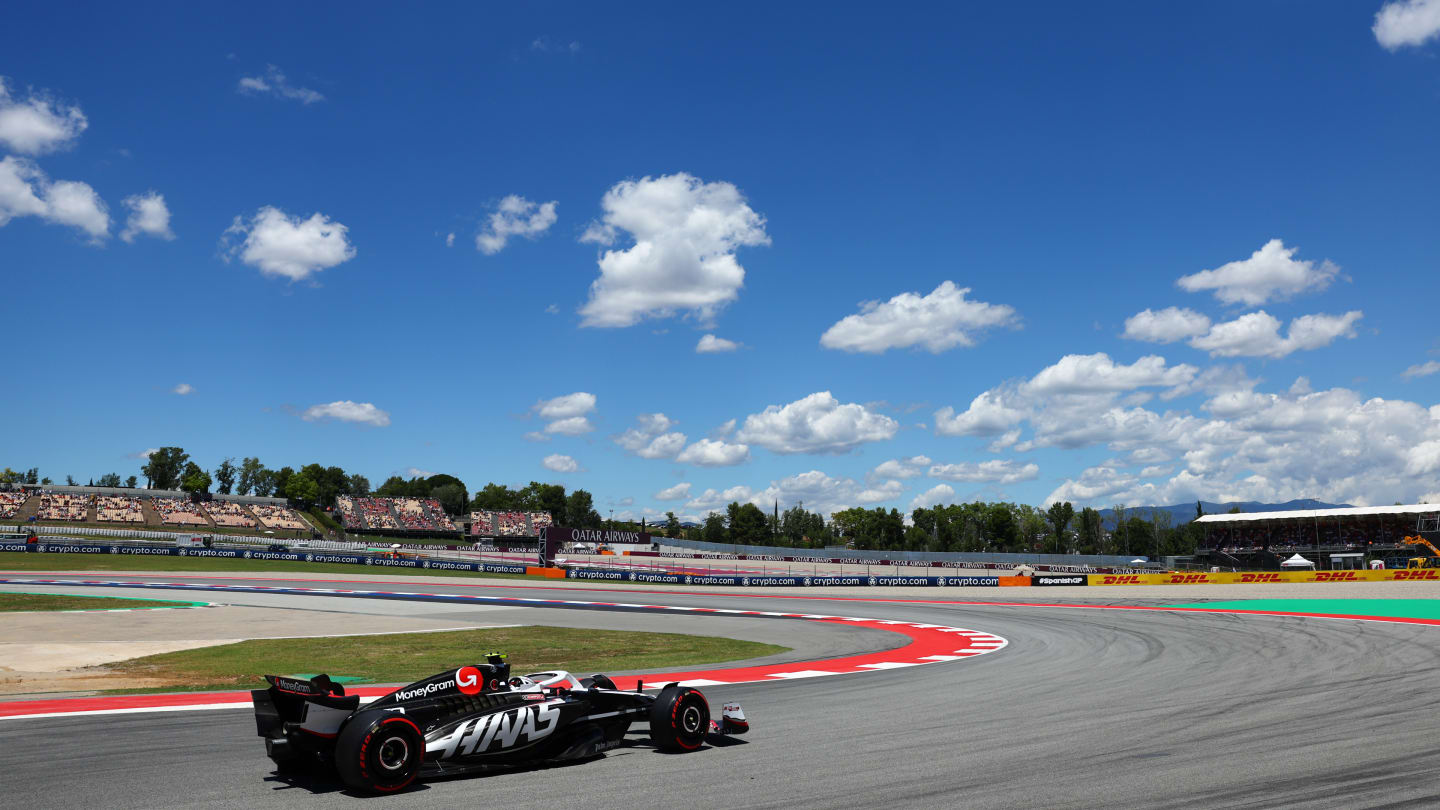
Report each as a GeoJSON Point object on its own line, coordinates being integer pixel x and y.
{"type": "Point", "coordinates": [406, 657]}
{"type": "Point", "coordinates": [140, 562]}
{"type": "Point", "coordinates": [13, 602]}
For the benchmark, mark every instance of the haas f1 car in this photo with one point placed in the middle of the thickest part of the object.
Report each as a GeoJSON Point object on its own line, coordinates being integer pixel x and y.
{"type": "Point", "coordinates": [471, 719]}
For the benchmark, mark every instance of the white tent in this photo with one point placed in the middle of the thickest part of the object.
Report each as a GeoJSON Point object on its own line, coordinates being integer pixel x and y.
{"type": "Point", "coordinates": [1297, 562]}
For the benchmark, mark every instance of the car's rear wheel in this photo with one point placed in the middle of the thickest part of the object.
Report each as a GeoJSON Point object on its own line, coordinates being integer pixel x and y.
{"type": "Point", "coordinates": [379, 753]}
{"type": "Point", "coordinates": [679, 719]}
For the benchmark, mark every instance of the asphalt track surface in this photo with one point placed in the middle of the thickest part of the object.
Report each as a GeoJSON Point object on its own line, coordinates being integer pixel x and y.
{"type": "Point", "coordinates": [1084, 708]}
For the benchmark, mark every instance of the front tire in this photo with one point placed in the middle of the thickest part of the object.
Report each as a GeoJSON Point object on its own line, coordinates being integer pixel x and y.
{"type": "Point", "coordinates": [379, 753]}
{"type": "Point", "coordinates": [679, 719]}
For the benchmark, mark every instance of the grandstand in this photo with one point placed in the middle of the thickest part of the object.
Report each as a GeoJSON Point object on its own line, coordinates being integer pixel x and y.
{"type": "Point", "coordinates": [63, 506]}
{"type": "Point", "coordinates": [10, 503]}
{"type": "Point", "coordinates": [226, 513]}
{"type": "Point", "coordinates": [178, 512]}
{"type": "Point", "coordinates": [110, 509]}
{"type": "Point", "coordinates": [1258, 539]}
{"type": "Point", "coordinates": [508, 524]}
{"type": "Point", "coordinates": [278, 517]}
{"type": "Point", "coordinates": [402, 516]}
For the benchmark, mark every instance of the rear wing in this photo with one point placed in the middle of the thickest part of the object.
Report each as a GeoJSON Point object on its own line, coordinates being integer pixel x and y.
{"type": "Point", "coordinates": [318, 685]}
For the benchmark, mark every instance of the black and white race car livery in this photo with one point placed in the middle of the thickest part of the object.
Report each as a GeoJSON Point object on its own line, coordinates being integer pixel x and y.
{"type": "Point", "coordinates": [471, 719]}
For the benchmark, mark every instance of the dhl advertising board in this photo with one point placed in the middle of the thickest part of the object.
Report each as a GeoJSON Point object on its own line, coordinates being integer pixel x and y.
{"type": "Point", "coordinates": [1264, 577]}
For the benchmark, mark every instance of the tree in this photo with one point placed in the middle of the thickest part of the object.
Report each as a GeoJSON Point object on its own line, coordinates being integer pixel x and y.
{"type": "Point", "coordinates": [32, 475]}
{"type": "Point", "coordinates": [193, 479]}
{"type": "Point", "coordinates": [672, 525]}
{"type": "Point", "coordinates": [1000, 527]}
{"type": "Point", "coordinates": [301, 487]}
{"type": "Point", "coordinates": [9, 476]}
{"type": "Point", "coordinates": [225, 476]}
{"type": "Point", "coordinates": [281, 480]}
{"type": "Point", "coordinates": [749, 526]}
{"type": "Point", "coordinates": [492, 498]}
{"type": "Point", "coordinates": [538, 497]}
{"type": "Point", "coordinates": [69, 480]}
{"type": "Point", "coordinates": [1090, 532]}
{"type": "Point", "coordinates": [265, 482]}
{"type": "Point", "coordinates": [1119, 539]}
{"type": "Point", "coordinates": [250, 471]}
{"type": "Point", "coordinates": [714, 530]}
{"type": "Point", "coordinates": [111, 480]}
{"type": "Point", "coordinates": [450, 497]}
{"type": "Point", "coordinates": [359, 486]}
{"type": "Point", "coordinates": [162, 470]}
{"type": "Point", "coordinates": [131, 482]}
{"type": "Point", "coordinates": [580, 510]}
{"type": "Point", "coordinates": [1059, 515]}
{"type": "Point", "coordinates": [394, 487]}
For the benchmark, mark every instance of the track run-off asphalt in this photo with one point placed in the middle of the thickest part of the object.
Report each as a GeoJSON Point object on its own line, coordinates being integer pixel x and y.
{"type": "Point", "coordinates": [1091, 703]}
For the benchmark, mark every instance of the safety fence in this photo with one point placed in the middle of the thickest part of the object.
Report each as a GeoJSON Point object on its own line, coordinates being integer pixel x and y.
{"type": "Point", "coordinates": [1264, 577]}
{"type": "Point", "coordinates": [257, 554]}
{"type": "Point", "coordinates": [735, 580]}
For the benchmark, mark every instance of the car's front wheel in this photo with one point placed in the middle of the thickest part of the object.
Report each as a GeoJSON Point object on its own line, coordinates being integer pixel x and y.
{"type": "Point", "coordinates": [679, 719]}
{"type": "Point", "coordinates": [379, 753]}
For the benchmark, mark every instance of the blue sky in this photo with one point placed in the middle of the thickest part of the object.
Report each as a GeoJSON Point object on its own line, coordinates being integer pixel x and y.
{"type": "Point", "coordinates": [259, 208]}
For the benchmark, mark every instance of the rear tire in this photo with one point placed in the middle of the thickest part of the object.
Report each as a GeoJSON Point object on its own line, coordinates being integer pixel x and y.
{"type": "Point", "coordinates": [379, 753]}
{"type": "Point", "coordinates": [679, 719]}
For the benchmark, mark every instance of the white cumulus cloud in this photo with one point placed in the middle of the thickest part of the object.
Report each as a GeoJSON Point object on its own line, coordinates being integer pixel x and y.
{"type": "Point", "coordinates": [936, 322]}
{"type": "Point", "coordinates": [570, 426]}
{"type": "Point", "coordinates": [709, 344]}
{"type": "Point", "coordinates": [25, 190]}
{"type": "Point", "coordinates": [1258, 334]}
{"type": "Point", "coordinates": [938, 495]}
{"type": "Point", "coordinates": [1271, 273]}
{"type": "Point", "coordinates": [679, 492]}
{"type": "Point", "coordinates": [561, 407]}
{"type": "Point", "coordinates": [652, 438]}
{"type": "Point", "coordinates": [685, 233]}
{"type": "Point", "coordinates": [1407, 22]}
{"type": "Point", "coordinates": [818, 423]}
{"type": "Point", "coordinates": [714, 453]}
{"type": "Point", "coordinates": [148, 216]}
{"type": "Point", "coordinates": [556, 462]}
{"type": "Point", "coordinates": [273, 83]}
{"type": "Point", "coordinates": [360, 413]}
{"type": "Point", "coordinates": [183, 389]}
{"type": "Point", "coordinates": [1422, 369]}
{"type": "Point", "coordinates": [281, 245]}
{"type": "Point", "coordinates": [1166, 326]}
{"type": "Point", "coordinates": [37, 123]}
{"type": "Point", "coordinates": [912, 467]}
{"type": "Point", "coordinates": [997, 471]}
{"type": "Point", "coordinates": [1095, 373]}
{"type": "Point", "coordinates": [515, 216]}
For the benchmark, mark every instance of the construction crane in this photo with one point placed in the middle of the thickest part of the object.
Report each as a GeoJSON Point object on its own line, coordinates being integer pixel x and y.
{"type": "Point", "coordinates": [1422, 562]}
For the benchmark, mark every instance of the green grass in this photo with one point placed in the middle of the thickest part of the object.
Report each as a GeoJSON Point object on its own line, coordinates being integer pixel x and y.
{"type": "Point", "coordinates": [12, 602]}
{"type": "Point", "coordinates": [1386, 608]}
{"type": "Point", "coordinates": [139, 562]}
{"type": "Point", "coordinates": [406, 657]}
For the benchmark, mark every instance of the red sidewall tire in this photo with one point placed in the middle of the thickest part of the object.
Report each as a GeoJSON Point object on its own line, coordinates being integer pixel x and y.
{"type": "Point", "coordinates": [679, 720]}
{"type": "Point", "coordinates": [381, 753]}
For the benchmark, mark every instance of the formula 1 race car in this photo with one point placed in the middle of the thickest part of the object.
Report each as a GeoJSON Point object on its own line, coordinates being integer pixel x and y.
{"type": "Point", "coordinates": [471, 719]}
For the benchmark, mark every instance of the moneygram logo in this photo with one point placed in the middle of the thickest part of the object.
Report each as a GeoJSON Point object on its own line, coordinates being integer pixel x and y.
{"type": "Point", "coordinates": [469, 680]}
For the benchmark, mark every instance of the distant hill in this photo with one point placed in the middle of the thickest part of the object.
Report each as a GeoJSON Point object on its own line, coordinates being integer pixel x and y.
{"type": "Point", "coordinates": [1182, 513]}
